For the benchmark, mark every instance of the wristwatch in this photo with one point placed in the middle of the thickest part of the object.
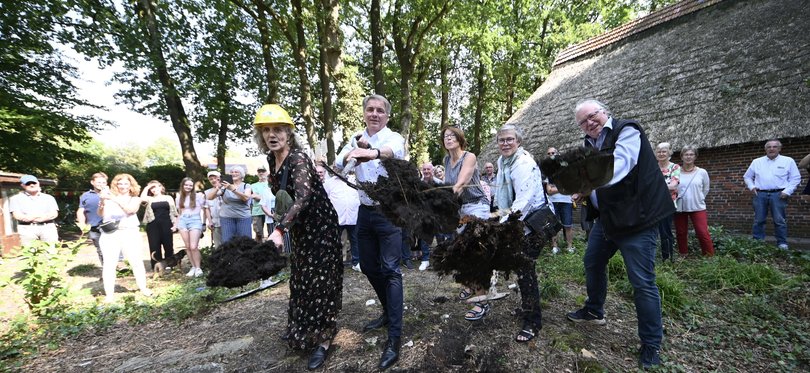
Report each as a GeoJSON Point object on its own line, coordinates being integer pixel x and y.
{"type": "Point", "coordinates": [280, 227]}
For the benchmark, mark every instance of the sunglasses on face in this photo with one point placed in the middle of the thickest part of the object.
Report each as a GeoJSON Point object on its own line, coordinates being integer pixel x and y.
{"type": "Point", "coordinates": [31, 183]}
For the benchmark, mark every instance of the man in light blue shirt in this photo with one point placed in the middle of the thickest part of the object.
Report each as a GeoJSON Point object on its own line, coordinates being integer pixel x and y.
{"type": "Point", "coordinates": [772, 179]}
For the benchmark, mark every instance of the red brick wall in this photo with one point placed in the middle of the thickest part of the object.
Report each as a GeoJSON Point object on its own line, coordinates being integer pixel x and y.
{"type": "Point", "coordinates": [729, 202]}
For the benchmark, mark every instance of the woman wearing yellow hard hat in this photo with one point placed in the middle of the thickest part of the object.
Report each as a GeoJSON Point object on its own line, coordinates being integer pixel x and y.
{"type": "Point", "coordinates": [316, 268]}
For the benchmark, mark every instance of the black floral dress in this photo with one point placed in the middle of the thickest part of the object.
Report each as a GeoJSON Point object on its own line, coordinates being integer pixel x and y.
{"type": "Point", "coordinates": [316, 263]}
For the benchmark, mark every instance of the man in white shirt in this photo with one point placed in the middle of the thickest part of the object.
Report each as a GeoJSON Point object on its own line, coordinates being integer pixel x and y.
{"type": "Point", "coordinates": [34, 212]}
{"type": "Point", "coordinates": [772, 179]}
{"type": "Point", "coordinates": [379, 240]}
{"type": "Point", "coordinates": [346, 202]}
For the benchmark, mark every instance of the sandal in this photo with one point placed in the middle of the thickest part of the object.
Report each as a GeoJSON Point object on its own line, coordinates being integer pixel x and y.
{"type": "Point", "coordinates": [527, 333]}
{"type": "Point", "coordinates": [464, 294]}
{"type": "Point", "coordinates": [473, 315]}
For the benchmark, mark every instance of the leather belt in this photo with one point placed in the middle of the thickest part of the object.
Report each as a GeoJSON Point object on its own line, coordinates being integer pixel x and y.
{"type": "Point", "coordinates": [34, 223]}
{"type": "Point", "coordinates": [770, 190]}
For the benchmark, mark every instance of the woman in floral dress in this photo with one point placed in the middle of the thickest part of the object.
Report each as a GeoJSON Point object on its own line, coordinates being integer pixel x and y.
{"type": "Point", "coordinates": [316, 263]}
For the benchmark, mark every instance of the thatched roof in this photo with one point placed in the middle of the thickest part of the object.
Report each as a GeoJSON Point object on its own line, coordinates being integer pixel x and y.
{"type": "Point", "coordinates": [729, 73]}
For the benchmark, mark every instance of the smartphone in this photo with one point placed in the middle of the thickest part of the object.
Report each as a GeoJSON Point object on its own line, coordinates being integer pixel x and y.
{"type": "Point", "coordinates": [227, 178]}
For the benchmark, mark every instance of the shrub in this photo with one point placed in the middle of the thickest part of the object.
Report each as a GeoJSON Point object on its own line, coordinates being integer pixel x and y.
{"type": "Point", "coordinates": [41, 277]}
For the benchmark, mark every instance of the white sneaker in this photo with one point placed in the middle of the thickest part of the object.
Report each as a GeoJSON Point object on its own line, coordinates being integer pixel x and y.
{"type": "Point", "coordinates": [356, 267]}
{"type": "Point", "coordinates": [425, 264]}
{"type": "Point", "coordinates": [191, 272]}
{"type": "Point", "coordinates": [783, 247]}
{"type": "Point", "coordinates": [571, 249]}
{"type": "Point", "coordinates": [555, 250]}
{"type": "Point", "coordinates": [198, 272]}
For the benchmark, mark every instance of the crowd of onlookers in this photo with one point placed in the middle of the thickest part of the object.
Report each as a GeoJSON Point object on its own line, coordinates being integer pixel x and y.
{"type": "Point", "coordinates": [304, 208]}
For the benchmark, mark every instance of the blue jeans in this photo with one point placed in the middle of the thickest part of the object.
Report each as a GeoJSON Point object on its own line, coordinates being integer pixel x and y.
{"type": "Point", "coordinates": [351, 232]}
{"type": "Point", "coordinates": [772, 201]}
{"type": "Point", "coordinates": [638, 250]}
{"type": "Point", "coordinates": [425, 247]}
{"type": "Point", "coordinates": [380, 245]}
{"type": "Point", "coordinates": [233, 227]}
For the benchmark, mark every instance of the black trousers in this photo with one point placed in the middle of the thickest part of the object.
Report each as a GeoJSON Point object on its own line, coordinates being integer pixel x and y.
{"type": "Point", "coordinates": [529, 288]}
{"type": "Point", "coordinates": [159, 233]}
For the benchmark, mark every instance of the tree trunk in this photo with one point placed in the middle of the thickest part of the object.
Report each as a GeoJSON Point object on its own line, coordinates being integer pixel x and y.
{"type": "Point", "coordinates": [377, 48]}
{"type": "Point", "coordinates": [478, 124]}
{"type": "Point", "coordinates": [443, 68]}
{"type": "Point", "coordinates": [174, 104]}
{"type": "Point", "coordinates": [299, 43]}
{"type": "Point", "coordinates": [224, 121]}
{"type": "Point", "coordinates": [405, 115]}
{"type": "Point", "coordinates": [271, 74]}
{"type": "Point", "coordinates": [331, 63]}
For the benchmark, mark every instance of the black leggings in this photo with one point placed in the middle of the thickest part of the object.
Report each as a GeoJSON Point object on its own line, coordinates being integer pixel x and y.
{"type": "Point", "coordinates": [159, 233]}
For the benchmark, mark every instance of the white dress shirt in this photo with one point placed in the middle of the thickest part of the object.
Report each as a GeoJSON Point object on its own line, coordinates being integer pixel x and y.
{"type": "Point", "coordinates": [369, 171]}
{"type": "Point", "coordinates": [778, 173]}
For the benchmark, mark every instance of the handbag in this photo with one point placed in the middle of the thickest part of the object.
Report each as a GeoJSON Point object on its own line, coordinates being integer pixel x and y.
{"type": "Point", "coordinates": [543, 220]}
{"type": "Point", "coordinates": [109, 226]}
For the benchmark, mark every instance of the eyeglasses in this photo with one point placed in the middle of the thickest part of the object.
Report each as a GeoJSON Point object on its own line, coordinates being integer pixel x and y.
{"type": "Point", "coordinates": [31, 183]}
{"type": "Point", "coordinates": [506, 140]}
{"type": "Point", "coordinates": [590, 117]}
{"type": "Point", "coordinates": [448, 137]}
{"type": "Point", "coordinates": [551, 153]}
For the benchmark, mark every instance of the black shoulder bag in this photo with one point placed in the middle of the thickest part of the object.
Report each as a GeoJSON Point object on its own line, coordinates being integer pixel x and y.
{"type": "Point", "coordinates": [543, 220]}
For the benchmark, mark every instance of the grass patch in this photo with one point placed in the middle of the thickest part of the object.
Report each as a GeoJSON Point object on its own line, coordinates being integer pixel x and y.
{"type": "Point", "coordinates": [726, 273]}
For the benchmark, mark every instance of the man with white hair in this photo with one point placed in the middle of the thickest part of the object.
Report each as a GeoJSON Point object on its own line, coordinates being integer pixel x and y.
{"type": "Point", "coordinates": [772, 179]}
{"type": "Point", "coordinates": [627, 210]}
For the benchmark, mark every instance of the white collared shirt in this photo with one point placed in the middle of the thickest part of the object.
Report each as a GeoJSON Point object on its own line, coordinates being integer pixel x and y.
{"type": "Point", "coordinates": [371, 170]}
{"type": "Point", "coordinates": [778, 173]}
{"type": "Point", "coordinates": [625, 154]}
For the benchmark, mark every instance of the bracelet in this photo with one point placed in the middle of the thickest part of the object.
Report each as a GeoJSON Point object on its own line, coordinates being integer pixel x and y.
{"type": "Point", "coordinates": [378, 152]}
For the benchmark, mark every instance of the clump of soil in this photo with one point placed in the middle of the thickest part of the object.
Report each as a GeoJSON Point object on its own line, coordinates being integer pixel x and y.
{"type": "Point", "coordinates": [410, 203]}
{"type": "Point", "coordinates": [243, 260]}
{"type": "Point", "coordinates": [483, 246]}
{"type": "Point", "coordinates": [577, 171]}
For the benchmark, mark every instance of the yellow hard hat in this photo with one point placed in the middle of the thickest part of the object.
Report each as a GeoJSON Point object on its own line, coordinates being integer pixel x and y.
{"type": "Point", "coordinates": [272, 114]}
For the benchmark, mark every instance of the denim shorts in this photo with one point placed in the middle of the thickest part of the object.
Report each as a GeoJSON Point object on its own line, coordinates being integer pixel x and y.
{"type": "Point", "coordinates": [565, 212]}
{"type": "Point", "coordinates": [189, 222]}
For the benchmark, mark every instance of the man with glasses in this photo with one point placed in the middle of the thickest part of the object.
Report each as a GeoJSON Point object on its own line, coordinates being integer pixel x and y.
{"type": "Point", "coordinates": [563, 208]}
{"type": "Point", "coordinates": [35, 212]}
{"type": "Point", "coordinates": [772, 178]}
{"type": "Point", "coordinates": [627, 210]}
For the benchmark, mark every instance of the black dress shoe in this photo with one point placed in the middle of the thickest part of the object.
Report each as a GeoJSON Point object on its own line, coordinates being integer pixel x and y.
{"type": "Point", "coordinates": [317, 358]}
{"type": "Point", "coordinates": [409, 264]}
{"type": "Point", "coordinates": [390, 353]}
{"type": "Point", "coordinates": [376, 323]}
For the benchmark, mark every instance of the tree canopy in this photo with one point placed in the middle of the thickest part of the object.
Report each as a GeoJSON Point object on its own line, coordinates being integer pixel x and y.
{"type": "Point", "coordinates": [206, 66]}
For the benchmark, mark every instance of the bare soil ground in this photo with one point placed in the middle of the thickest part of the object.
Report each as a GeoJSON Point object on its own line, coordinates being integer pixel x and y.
{"type": "Point", "coordinates": [243, 336]}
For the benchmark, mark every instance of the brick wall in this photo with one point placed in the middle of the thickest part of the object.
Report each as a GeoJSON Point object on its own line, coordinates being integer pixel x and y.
{"type": "Point", "coordinates": [729, 202]}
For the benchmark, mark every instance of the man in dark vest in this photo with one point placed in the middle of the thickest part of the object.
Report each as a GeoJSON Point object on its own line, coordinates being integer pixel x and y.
{"type": "Point", "coordinates": [626, 213]}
